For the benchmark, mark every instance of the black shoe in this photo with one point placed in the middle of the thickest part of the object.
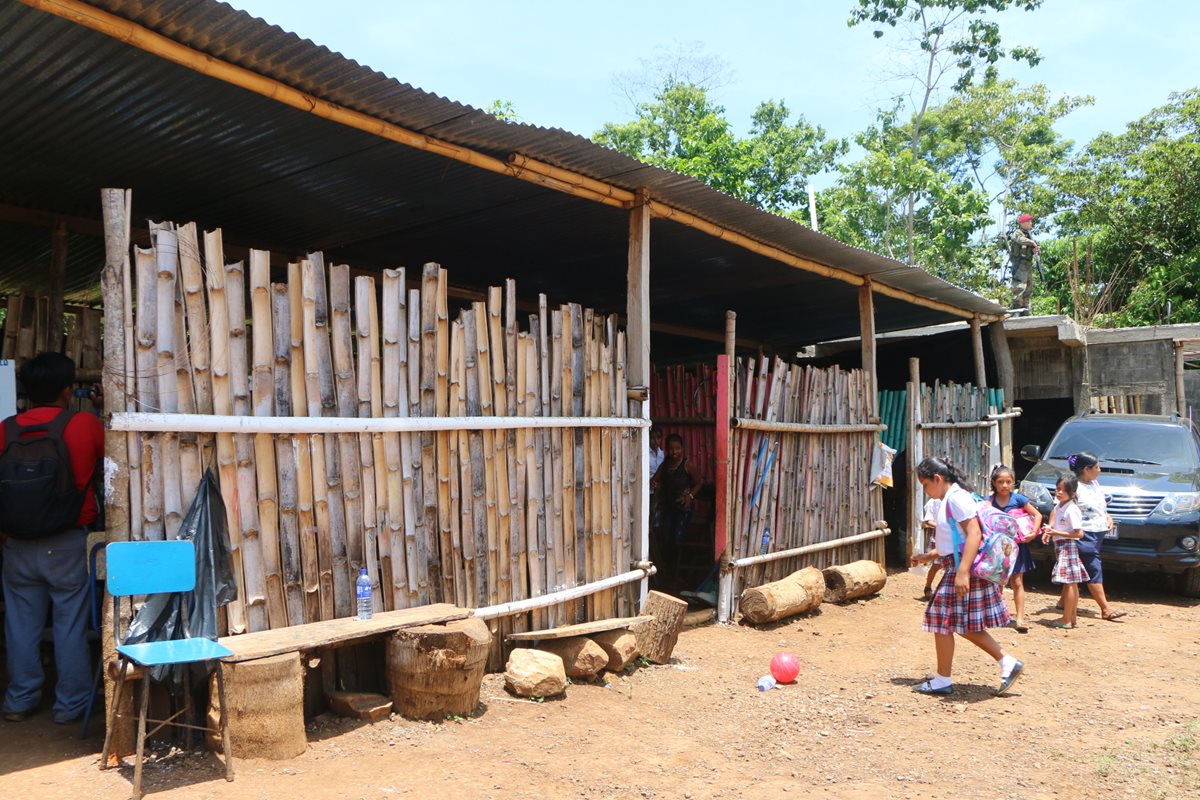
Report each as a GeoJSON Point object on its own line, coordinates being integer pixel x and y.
{"type": "Point", "coordinates": [17, 716]}
{"type": "Point", "coordinates": [1007, 683]}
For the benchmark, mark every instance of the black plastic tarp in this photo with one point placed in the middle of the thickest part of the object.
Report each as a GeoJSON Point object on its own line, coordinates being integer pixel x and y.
{"type": "Point", "coordinates": [159, 618]}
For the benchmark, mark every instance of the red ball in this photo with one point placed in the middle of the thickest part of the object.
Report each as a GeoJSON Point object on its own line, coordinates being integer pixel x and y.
{"type": "Point", "coordinates": [785, 667]}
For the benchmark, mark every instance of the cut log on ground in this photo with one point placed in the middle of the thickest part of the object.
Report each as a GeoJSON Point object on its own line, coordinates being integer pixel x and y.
{"type": "Point", "coordinates": [360, 705]}
{"type": "Point", "coordinates": [534, 673]}
{"type": "Point", "coordinates": [582, 658]}
{"type": "Point", "coordinates": [656, 638]}
{"type": "Point", "coordinates": [619, 646]}
{"type": "Point", "coordinates": [265, 703]}
{"type": "Point", "coordinates": [435, 671]}
{"type": "Point", "coordinates": [854, 580]}
{"type": "Point", "coordinates": [799, 592]}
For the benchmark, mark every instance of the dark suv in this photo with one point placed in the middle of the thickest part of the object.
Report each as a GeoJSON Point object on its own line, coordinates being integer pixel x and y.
{"type": "Point", "coordinates": [1150, 472]}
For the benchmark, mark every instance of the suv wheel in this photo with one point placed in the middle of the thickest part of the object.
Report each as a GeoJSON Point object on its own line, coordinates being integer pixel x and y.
{"type": "Point", "coordinates": [1188, 584]}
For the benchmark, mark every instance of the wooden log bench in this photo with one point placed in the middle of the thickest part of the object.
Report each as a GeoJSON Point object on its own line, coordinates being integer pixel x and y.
{"type": "Point", "coordinates": [266, 664]}
{"type": "Point", "coordinates": [335, 632]}
{"type": "Point", "coordinates": [580, 629]}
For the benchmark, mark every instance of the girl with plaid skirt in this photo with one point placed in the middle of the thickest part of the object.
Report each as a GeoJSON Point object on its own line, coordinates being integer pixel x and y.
{"type": "Point", "coordinates": [962, 603]}
{"type": "Point", "coordinates": [1066, 529]}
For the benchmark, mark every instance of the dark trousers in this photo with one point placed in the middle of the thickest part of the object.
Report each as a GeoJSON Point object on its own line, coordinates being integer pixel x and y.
{"type": "Point", "coordinates": [41, 575]}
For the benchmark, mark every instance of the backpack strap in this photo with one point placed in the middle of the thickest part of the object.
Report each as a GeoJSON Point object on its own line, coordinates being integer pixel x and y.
{"type": "Point", "coordinates": [12, 432]}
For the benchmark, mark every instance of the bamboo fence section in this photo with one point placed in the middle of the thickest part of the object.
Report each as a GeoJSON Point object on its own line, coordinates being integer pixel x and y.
{"type": "Point", "coordinates": [970, 449]}
{"type": "Point", "coordinates": [475, 517]}
{"type": "Point", "coordinates": [801, 487]}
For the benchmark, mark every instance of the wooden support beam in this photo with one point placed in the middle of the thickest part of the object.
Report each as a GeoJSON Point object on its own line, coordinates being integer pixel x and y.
{"type": "Point", "coordinates": [637, 370]}
{"type": "Point", "coordinates": [58, 279]}
{"type": "Point", "coordinates": [115, 204]}
{"type": "Point", "coordinates": [1004, 364]}
{"type": "Point", "coordinates": [866, 326]}
{"type": "Point", "coordinates": [977, 352]}
{"type": "Point", "coordinates": [914, 541]}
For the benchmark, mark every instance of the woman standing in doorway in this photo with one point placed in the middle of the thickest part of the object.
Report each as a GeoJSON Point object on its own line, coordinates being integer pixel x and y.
{"type": "Point", "coordinates": [1096, 523]}
{"type": "Point", "coordinates": [962, 604]}
{"type": "Point", "coordinates": [675, 485]}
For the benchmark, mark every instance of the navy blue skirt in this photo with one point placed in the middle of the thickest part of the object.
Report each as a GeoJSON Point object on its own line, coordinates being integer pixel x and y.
{"type": "Point", "coordinates": [1089, 553]}
{"type": "Point", "coordinates": [1025, 562]}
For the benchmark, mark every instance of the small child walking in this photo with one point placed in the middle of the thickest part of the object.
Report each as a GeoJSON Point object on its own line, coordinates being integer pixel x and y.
{"type": "Point", "coordinates": [962, 604]}
{"type": "Point", "coordinates": [1005, 499]}
{"type": "Point", "coordinates": [1066, 529]}
{"type": "Point", "coordinates": [929, 525]}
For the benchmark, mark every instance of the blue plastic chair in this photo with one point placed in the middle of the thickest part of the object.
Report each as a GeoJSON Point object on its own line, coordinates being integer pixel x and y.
{"type": "Point", "coordinates": [137, 568]}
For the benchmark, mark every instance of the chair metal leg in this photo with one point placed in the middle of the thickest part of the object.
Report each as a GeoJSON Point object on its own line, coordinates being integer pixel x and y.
{"type": "Point", "coordinates": [112, 717]}
{"type": "Point", "coordinates": [141, 742]}
{"type": "Point", "coordinates": [223, 722]}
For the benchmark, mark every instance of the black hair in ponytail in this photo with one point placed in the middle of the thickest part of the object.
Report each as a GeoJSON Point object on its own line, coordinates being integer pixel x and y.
{"type": "Point", "coordinates": [930, 468]}
{"type": "Point", "coordinates": [1081, 461]}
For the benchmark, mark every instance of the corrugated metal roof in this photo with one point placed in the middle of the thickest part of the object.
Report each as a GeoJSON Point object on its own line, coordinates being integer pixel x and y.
{"type": "Point", "coordinates": [235, 36]}
{"type": "Point", "coordinates": [81, 110]}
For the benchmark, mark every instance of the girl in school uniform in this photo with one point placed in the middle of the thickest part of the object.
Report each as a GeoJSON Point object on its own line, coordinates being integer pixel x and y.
{"type": "Point", "coordinates": [962, 604]}
{"type": "Point", "coordinates": [1005, 499]}
{"type": "Point", "coordinates": [1096, 523]}
{"type": "Point", "coordinates": [1066, 529]}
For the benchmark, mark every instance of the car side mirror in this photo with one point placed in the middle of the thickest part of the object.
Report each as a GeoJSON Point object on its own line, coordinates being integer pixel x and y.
{"type": "Point", "coordinates": [1031, 452]}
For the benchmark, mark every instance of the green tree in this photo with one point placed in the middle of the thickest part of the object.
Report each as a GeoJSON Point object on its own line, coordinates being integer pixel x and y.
{"type": "Point", "coordinates": [682, 129]}
{"type": "Point", "coordinates": [952, 41]}
{"type": "Point", "coordinates": [503, 110]}
{"type": "Point", "coordinates": [1135, 196]}
{"type": "Point", "coordinates": [869, 207]}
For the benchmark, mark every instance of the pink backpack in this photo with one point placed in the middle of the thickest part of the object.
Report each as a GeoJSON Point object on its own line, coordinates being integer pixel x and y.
{"type": "Point", "coordinates": [998, 547]}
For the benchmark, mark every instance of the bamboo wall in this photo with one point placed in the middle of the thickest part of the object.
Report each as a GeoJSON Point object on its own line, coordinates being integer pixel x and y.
{"type": "Point", "coordinates": [796, 489]}
{"type": "Point", "coordinates": [470, 517]}
{"type": "Point", "coordinates": [968, 448]}
{"type": "Point", "coordinates": [29, 328]}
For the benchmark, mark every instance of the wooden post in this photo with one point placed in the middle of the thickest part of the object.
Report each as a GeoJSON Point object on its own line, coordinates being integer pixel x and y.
{"type": "Point", "coordinates": [915, 454]}
{"type": "Point", "coordinates": [637, 326]}
{"type": "Point", "coordinates": [977, 351]}
{"type": "Point", "coordinates": [866, 327]}
{"type": "Point", "coordinates": [58, 277]}
{"type": "Point", "coordinates": [725, 393]}
{"type": "Point", "coordinates": [1180, 388]}
{"type": "Point", "coordinates": [116, 454]}
{"type": "Point", "coordinates": [1004, 377]}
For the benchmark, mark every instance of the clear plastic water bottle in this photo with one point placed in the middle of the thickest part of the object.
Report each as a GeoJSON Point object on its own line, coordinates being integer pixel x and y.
{"type": "Point", "coordinates": [363, 589]}
{"type": "Point", "coordinates": [766, 683]}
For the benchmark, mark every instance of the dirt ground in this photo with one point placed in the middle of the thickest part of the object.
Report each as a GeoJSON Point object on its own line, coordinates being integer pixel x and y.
{"type": "Point", "coordinates": [1108, 710]}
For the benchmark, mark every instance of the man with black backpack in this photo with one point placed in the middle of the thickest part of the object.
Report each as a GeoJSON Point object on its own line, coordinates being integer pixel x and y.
{"type": "Point", "coordinates": [48, 457]}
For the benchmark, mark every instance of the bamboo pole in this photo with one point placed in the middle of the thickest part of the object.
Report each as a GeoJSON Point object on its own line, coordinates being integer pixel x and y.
{"type": "Point", "coordinates": [483, 371]}
{"type": "Point", "coordinates": [302, 448]}
{"type": "Point", "coordinates": [417, 527]}
{"type": "Point", "coordinates": [285, 458]}
{"type": "Point", "coordinates": [253, 567]}
{"type": "Point", "coordinates": [496, 352]}
{"type": "Point", "coordinates": [214, 257]}
{"type": "Point", "coordinates": [515, 455]}
{"type": "Point", "coordinates": [263, 400]}
{"type": "Point", "coordinates": [475, 458]}
{"type": "Point", "coordinates": [451, 557]}
{"type": "Point", "coordinates": [370, 445]}
{"type": "Point", "coordinates": [431, 469]}
{"type": "Point", "coordinates": [190, 469]}
{"type": "Point", "coordinates": [310, 277]}
{"type": "Point", "coordinates": [347, 407]}
{"type": "Point", "coordinates": [392, 382]}
{"type": "Point", "coordinates": [166, 256]}
{"type": "Point", "coordinates": [147, 391]}
{"type": "Point", "coordinates": [546, 467]}
{"type": "Point", "coordinates": [343, 587]}
{"type": "Point", "coordinates": [462, 540]}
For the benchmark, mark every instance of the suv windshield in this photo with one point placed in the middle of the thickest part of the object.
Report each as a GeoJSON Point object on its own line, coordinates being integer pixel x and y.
{"type": "Point", "coordinates": [1131, 443]}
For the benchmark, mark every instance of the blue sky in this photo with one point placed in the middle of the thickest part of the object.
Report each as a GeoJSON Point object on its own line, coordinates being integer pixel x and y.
{"type": "Point", "coordinates": [555, 61]}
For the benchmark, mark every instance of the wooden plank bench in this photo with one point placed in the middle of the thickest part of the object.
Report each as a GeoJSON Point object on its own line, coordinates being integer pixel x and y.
{"type": "Point", "coordinates": [580, 629]}
{"type": "Point", "coordinates": [335, 632]}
